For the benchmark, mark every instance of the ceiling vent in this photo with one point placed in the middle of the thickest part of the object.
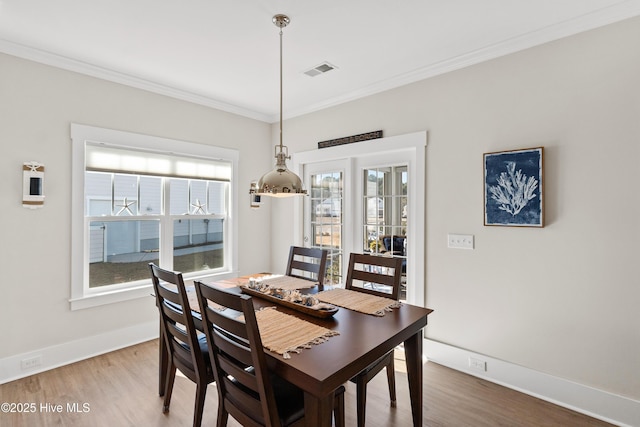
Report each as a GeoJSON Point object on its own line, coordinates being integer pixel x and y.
{"type": "Point", "coordinates": [320, 69]}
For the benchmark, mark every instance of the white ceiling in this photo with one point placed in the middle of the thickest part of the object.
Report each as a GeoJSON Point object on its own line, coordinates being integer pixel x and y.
{"type": "Point", "coordinates": [225, 53]}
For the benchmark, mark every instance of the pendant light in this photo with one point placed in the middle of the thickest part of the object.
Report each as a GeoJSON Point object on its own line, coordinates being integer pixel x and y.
{"type": "Point", "coordinates": [280, 182]}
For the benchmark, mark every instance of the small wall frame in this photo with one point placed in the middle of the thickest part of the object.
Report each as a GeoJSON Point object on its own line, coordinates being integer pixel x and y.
{"type": "Point", "coordinates": [32, 185]}
{"type": "Point", "coordinates": [513, 188]}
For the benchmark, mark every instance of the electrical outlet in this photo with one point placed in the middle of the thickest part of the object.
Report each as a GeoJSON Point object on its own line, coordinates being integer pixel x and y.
{"type": "Point", "coordinates": [32, 362]}
{"type": "Point", "coordinates": [460, 241]}
{"type": "Point", "coordinates": [477, 364]}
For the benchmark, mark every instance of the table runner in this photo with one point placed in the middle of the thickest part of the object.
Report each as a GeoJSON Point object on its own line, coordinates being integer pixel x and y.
{"type": "Point", "coordinates": [283, 333]}
{"type": "Point", "coordinates": [286, 282]}
{"type": "Point", "coordinates": [358, 301]}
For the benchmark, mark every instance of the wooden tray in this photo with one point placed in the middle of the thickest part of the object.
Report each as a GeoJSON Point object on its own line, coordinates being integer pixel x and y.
{"type": "Point", "coordinates": [321, 313]}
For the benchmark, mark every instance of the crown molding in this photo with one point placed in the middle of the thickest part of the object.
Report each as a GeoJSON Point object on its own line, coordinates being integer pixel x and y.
{"type": "Point", "coordinates": [69, 64]}
{"type": "Point", "coordinates": [608, 15]}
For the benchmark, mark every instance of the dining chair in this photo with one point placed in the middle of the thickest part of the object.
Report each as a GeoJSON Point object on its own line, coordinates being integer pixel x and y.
{"type": "Point", "coordinates": [379, 276]}
{"type": "Point", "coordinates": [247, 389]}
{"type": "Point", "coordinates": [307, 263]}
{"type": "Point", "coordinates": [187, 351]}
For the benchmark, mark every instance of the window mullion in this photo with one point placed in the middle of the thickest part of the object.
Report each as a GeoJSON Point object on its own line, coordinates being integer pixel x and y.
{"type": "Point", "coordinates": [166, 228]}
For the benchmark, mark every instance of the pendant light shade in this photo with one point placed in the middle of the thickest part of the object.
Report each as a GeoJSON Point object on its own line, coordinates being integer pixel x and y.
{"type": "Point", "coordinates": [280, 182]}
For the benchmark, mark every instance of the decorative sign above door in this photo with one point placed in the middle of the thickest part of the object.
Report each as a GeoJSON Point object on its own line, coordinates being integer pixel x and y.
{"type": "Point", "coordinates": [351, 139]}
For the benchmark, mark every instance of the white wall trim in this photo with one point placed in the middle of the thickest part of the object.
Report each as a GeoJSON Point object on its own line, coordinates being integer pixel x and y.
{"type": "Point", "coordinates": [74, 351]}
{"type": "Point", "coordinates": [609, 407]}
{"type": "Point", "coordinates": [69, 64]}
{"type": "Point", "coordinates": [608, 15]}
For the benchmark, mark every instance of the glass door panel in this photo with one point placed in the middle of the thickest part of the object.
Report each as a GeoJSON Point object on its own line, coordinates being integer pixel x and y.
{"type": "Point", "coordinates": [325, 220]}
{"type": "Point", "coordinates": [384, 219]}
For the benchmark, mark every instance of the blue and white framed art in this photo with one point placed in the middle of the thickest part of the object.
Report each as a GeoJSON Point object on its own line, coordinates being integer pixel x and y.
{"type": "Point", "coordinates": [513, 190]}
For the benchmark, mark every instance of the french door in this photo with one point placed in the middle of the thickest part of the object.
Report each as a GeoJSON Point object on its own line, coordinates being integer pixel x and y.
{"type": "Point", "coordinates": [368, 198]}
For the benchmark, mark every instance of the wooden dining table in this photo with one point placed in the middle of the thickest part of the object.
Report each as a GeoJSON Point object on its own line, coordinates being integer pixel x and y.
{"type": "Point", "coordinates": [321, 369]}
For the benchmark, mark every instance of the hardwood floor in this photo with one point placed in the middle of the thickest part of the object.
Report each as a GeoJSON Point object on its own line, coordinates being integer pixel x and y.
{"type": "Point", "coordinates": [120, 389]}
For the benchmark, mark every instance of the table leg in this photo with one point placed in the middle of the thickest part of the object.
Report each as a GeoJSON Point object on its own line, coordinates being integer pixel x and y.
{"type": "Point", "coordinates": [318, 411]}
{"type": "Point", "coordinates": [413, 356]}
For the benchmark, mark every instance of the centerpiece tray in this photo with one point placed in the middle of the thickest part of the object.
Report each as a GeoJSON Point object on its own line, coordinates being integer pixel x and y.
{"type": "Point", "coordinates": [328, 310]}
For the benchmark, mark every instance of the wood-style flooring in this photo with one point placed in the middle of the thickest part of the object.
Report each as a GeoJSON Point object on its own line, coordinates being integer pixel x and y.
{"type": "Point", "coordinates": [120, 389]}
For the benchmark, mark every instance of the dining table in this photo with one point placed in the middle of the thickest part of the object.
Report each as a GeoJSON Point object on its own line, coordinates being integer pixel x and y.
{"type": "Point", "coordinates": [321, 369]}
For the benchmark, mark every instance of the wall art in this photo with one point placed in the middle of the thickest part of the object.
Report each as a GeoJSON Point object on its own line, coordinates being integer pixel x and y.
{"type": "Point", "coordinates": [513, 188]}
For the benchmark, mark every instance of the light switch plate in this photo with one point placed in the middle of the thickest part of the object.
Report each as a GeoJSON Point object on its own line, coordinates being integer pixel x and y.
{"type": "Point", "coordinates": [460, 241]}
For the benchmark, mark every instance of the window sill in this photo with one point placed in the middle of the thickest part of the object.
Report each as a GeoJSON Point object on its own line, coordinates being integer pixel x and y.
{"type": "Point", "coordinates": [110, 297]}
{"type": "Point", "coordinates": [120, 295]}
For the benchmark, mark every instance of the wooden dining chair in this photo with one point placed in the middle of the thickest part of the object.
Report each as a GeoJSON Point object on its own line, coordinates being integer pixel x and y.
{"type": "Point", "coordinates": [247, 389]}
{"type": "Point", "coordinates": [186, 351]}
{"type": "Point", "coordinates": [380, 276]}
{"type": "Point", "coordinates": [307, 263]}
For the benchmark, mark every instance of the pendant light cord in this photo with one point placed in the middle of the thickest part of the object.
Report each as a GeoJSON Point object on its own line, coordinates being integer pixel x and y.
{"type": "Point", "coordinates": [281, 146]}
{"type": "Point", "coordinates": [280, 181]}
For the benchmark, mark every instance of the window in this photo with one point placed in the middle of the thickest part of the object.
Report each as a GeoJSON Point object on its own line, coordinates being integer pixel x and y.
{"type": "Point", "coordinates": [140, 199]}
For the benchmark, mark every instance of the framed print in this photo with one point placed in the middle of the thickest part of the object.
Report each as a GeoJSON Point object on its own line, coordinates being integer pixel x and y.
{"type": "Point", "coordinates": [513, 191]}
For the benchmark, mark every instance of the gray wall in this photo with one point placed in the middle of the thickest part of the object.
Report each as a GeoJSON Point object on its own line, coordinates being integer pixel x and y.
{"type": "Point", "coordinates": [561, 300]}
{"type": "Point", "coordinates": [564, 299]}
{"type": "Point", "coordinates": [37, 105]}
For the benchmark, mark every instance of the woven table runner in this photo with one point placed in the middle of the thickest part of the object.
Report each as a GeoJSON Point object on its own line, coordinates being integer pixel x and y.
{"type": "Point", "coordinates": [283, 333]}
{"type": "Point", "coordinates": [358, 301]}
{"type": "Point", "coordinates": [287, 283]}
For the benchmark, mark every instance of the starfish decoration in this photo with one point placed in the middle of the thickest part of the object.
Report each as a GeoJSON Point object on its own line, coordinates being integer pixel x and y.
{"type": "Point", "coordinates": [125, 207]}
{"type": "Point", "coordinates": [198, 208]}
{"type": "Point", "coordinates": [33, 166]}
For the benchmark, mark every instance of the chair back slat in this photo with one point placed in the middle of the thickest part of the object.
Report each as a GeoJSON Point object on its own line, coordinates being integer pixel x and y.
{"type": "Point", "coordinates": [307, 263]}
{"type": "Point", "coordinates": [229, 324]}
{"type": "Point", "coordinates": [375, 271]}
{"type": "Point", "coordinates": [232, 349]}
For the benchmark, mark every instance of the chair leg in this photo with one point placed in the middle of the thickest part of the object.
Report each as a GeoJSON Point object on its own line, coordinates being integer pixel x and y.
{"type": "Point", "coordinates": [223, 416]}
{"type": "Point", "coordinates": [168, 387]}
{"type": "Point", "coordinates": [338, 410]}
{"type": "Point", "coordinates": [361, 397]}
{"type": "Point", "coordinates": [391, 379]}
{"type": "Point", "coordinates": [201, 393]}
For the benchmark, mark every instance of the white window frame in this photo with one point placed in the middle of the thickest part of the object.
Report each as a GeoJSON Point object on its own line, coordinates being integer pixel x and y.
{"type": "Point", "coordinates": [407, 149]}
{"type": "Point", "coordinates": [81, 295]}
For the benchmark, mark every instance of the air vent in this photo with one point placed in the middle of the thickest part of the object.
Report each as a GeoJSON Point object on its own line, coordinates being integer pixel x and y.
{"type": "Point", "coordinates": [320, 69]}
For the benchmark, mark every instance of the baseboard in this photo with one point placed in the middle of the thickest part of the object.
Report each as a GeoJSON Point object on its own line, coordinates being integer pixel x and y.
{"type": "Point", "coordinates": [614, 409]}
{"type": "Point", "coordinates": [74, 351]}
{"type": "Point", "coordinates": [599, 404]}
